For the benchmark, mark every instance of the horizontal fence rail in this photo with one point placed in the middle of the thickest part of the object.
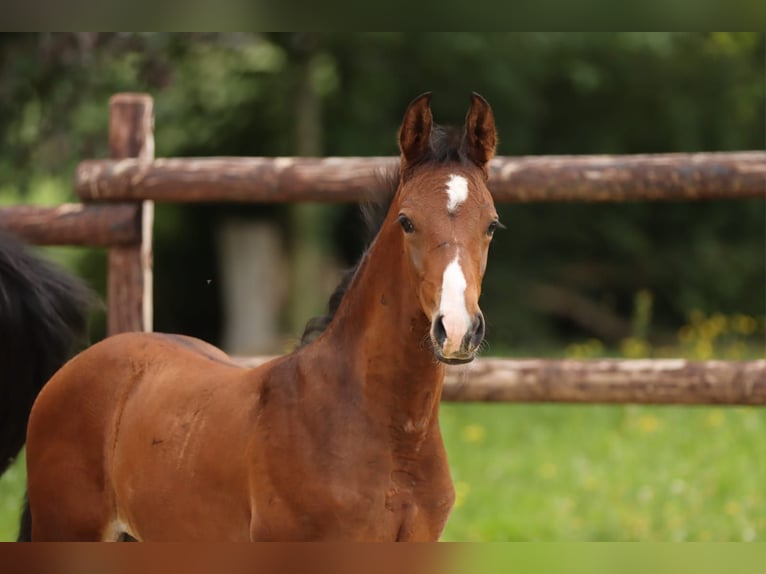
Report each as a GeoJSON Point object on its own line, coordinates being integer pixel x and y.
{"type": "Point", "coordinates": [671, 177]}
{"type": "Point", "coordinates": [644, 381]}
{"type": "Point", "coordinates": [74, 224]}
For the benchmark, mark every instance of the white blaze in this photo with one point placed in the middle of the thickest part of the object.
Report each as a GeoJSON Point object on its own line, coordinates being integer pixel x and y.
{"type": "Point", "coordinates": [457, 192]}
{"type": "Point", "coordinates": [455, 316]}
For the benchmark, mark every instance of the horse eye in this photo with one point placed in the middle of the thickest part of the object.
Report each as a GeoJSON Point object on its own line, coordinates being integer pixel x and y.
{"type": "Point", "coordinates": [494, 226]}
{"type": "Point", "coordinates": [406, 224]}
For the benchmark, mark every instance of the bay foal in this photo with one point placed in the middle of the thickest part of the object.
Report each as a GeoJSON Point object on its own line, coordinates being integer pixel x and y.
{"type": "Point", "coordinates": [161, 437]}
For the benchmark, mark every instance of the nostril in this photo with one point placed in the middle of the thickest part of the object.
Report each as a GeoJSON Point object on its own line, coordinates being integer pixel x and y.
{"type": "Point", "coordinates": [478, 330]}
{"type": "Point", "coordinates": [438, 331]}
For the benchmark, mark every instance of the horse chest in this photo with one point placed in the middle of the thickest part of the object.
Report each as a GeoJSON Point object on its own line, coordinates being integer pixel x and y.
{"type": "Point", "coordinates": [407, 500]}
{"type": "Point", "coordinates": [360, 498]}
{"type": "Point", "coordinates": [419, 499]}
{"type": "Point", "coordinates": [390, 510]}
{"type": "Point", "coordinates": [413, 516]}
{"type": "Point", "coordinates": [381, 481]}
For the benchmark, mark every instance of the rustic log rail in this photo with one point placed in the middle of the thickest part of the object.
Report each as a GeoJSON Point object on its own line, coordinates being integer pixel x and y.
{"type": "Point", "coordinates": [605, 381]}
{"type": "Point", "coordinates": [670, 177]}
{"type": "Point", "coordinates": [74, 224]}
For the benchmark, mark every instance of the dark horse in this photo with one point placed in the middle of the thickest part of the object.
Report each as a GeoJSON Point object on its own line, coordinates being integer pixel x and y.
{"type": "Point", "coordinates": [162, 437]}
{"type": "Point", "coordinates": [43, 319]}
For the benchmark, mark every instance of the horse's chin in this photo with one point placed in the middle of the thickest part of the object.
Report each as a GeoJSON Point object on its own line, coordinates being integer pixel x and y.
{"type": "Point", "coordinates": [454, 360]}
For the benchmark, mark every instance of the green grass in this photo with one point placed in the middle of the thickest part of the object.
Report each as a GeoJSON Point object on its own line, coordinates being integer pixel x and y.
{"type": "Point", "coordinates": [12, 485]}
{"type": "Point", "coordinates": [564, 472]}
{"type": "Point", "coordinates": [558, 472]}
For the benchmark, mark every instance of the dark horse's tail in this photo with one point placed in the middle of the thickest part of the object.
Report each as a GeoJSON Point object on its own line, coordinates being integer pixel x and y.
{"type": "Point", "coordinates": [43, 318]}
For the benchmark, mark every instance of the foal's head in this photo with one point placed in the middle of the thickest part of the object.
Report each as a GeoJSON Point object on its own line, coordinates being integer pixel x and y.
{"type": "Point", "coordinates": [447, 217]}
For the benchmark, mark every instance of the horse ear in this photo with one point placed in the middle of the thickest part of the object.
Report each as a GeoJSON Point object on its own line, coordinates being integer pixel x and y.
{"type": "Point", "coordinates": [480, 139]}
{"type": "Point", "coordinates": [415, 131]}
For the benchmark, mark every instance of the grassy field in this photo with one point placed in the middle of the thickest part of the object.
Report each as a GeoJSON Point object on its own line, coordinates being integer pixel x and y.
{"type": "Point", "coordinates": [559, 472]}
{"type": "Point", "coordinates": [527, 472]}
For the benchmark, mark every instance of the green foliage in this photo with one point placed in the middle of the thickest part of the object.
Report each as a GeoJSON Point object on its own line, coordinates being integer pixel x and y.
{"type": "Point", "coordinates": [734, 337]}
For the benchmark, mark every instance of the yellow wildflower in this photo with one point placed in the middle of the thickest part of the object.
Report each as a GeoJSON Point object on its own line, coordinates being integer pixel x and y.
{"type": "Point", "coordinates": [462, 489]}
{"type": "Point", "coordinates": [474, 433]}
{"type": "Point", "coordinates": [744, 324]}
{"type": "Point", "coordinates": [649, 424]}
{"type": "Point", "coordinates": [703, 349]}
{"type": "Point", "coordinates": [634, 348]}
{"type": "Point", "coordinates": [715, 419]}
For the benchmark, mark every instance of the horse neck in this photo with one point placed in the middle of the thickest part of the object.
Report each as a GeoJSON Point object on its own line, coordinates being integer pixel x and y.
{"type": "Point", "coordinates": [381, 331]}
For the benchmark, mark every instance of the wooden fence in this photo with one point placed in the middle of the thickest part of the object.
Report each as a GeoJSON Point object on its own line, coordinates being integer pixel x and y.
{"type": "Point", "coordinates": [117, 214]}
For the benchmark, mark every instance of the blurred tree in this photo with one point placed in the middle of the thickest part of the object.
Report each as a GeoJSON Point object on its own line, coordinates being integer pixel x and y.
{"type": "Point", "coordinates": [310, 223]}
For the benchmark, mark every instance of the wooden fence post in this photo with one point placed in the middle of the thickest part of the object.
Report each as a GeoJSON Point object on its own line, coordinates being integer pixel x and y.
{"type": "Point", "coordinates": [129, 291]}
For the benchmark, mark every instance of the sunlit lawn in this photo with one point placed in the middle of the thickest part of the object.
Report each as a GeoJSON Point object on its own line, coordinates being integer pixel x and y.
{"type": "Point", "coordinates": [558, 472]}
{"type": "Point", "coordinates": [563, 472]}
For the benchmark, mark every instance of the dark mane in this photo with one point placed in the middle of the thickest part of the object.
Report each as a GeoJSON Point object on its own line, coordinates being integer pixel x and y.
{"type": "Point", "coordinates": [445, 147]}
{"type": "Point", "coordinates": [374, 212]}
{"type": "Point", "coordinates": [43, 320]}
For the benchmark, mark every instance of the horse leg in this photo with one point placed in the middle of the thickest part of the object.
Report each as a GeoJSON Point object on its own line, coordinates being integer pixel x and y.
{"type": "Point", "coordinates": [69, 495]}
{"type": "Point", "coordinates": [67, 504]}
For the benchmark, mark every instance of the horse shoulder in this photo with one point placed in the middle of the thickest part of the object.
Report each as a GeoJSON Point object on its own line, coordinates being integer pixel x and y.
{"type": "Point", "coordinates": [307, 428]}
